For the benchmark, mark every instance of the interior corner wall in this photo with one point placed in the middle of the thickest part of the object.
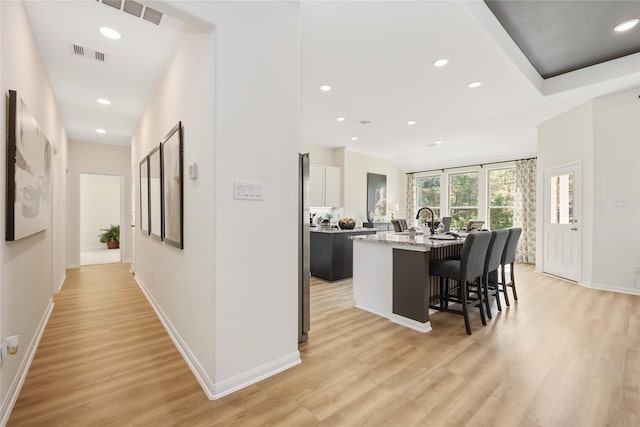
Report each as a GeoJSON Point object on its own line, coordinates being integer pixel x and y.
{"type": "Point", "coordinates": [29, 266]}
{"type": "Point", "coordinates": [256, 140]}
{"type": "Point", "coordinates": [356, 167]}
{"type": "Point", "coordinates": [102, 159]}
{"type": "Point", "coordinates": [180, 283]}
{"type": "Point", "coordinates": [320, 155]}
{"type": "Point", "coordinates": [616, 249]}
{"type": "Point", "coordinates": [565, 139]}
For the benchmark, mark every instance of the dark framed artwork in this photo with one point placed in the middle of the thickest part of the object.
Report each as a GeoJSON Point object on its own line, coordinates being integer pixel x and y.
{"type": "Point", "coordinates": [29, 158]}
{"type": "Point", "coordinates": [144, 196]}
{"type": "Point", "coordinates": [376, 196]}
{"type": "Point", "coordinates": [155, 193]}
{"type": "Point", "coordinates": [172, 180]}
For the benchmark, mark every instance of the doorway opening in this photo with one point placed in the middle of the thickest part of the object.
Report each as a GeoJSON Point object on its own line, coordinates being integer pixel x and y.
{"type": "Point", "coordinates": [100, 209]}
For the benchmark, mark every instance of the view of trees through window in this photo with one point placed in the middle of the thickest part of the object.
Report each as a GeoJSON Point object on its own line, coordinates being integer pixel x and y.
{"type": "Point", "coordinates": [463, 198]}
{"type": "Point", "coordinates": [501, 198]}
{"type": "Point", "coordinates": [428, 192]}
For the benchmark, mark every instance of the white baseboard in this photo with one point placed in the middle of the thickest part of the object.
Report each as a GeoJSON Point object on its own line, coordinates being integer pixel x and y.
{"type": "Point", "coordinates": [211, 389]}
{"type": "Point", "coordinates": [600, 287]}
{"type": "Point", "coordinates": [61, 282]}
{"type": "Point", "coordinates": [255, 375]}
{"type": "Point", "coordinates": [193, 363]}
{"type": "Point", "coordinates": [411, 324]}
{"type": "Point", "coordinates": [21, 375]}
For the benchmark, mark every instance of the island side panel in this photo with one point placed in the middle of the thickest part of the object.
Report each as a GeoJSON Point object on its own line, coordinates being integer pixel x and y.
{"type": "Point", "coordinates": [372, 277]}
{"type": "Point", "coordinates": [411, 284]}
{"type": "Point", "coordinates": [321, 256]}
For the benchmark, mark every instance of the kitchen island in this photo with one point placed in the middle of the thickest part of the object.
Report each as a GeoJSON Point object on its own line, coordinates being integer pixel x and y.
{"type": "Point", "coordinates": [331, 252]}
{"type": "Point", "coordinates": [391, 275]}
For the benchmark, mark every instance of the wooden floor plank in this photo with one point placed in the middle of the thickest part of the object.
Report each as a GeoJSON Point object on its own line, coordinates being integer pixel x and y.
{"type": "Point", "coordinates": [561, 356]}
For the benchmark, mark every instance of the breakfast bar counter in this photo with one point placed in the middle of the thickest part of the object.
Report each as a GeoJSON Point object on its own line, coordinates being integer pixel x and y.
{"type": "Point", "coordinates": [391, 275]}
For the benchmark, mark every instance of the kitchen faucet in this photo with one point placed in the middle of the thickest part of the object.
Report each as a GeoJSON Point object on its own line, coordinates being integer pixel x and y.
{"type": "Point", "coordinates": [433, 220]}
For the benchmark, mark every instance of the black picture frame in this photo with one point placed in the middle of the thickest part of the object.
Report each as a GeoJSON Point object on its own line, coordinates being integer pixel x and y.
{"type": "Point", "coordinates": [376, 196]}
{"type": "Point", "coordinates": [29, 163]}
{"type": "Point", "coordinates": [155, 193]}
{"type": "Point", "coordinates": [145, 217]}
{"type": "Point", "coordinates": [172, 187]}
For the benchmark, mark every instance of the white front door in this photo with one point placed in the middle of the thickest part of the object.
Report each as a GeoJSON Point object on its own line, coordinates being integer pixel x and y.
{"type": "Point", "coordinates": [561, 221]}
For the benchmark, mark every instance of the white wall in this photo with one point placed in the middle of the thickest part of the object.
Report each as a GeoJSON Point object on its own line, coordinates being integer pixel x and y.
{"type": "Point", "coordinates": [31, 267]}
{"type": "Point", "coordinates": [99, 207]}
{"type": "Point", "coordinates": [356, 167]}
{"type": "Point", "coordinates": [101, 159]}
{"type": "Point", "coordinates": [616, 134]}
{"type": "Point", "coordinates": [231, 294]}
{"type": "Point", "coordinates": [604, 134]}
{"type": "Point", "coordinates": [181, 281]}
{"type": "Point", "coordinates": [564, 139]}
{"type": "Point", "coordinates": [327, 156]}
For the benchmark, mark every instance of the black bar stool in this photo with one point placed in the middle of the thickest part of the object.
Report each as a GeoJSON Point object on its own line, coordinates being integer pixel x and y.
{"type": "Point", "coordinates": [509, 258]}
{"type": "Point", "coordinates": [468, 271]}
{"type": "Point", "coordinates": [490, 281]}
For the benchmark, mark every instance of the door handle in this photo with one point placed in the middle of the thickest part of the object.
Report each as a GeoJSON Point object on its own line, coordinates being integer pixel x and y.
{"type": "Point", "coordinates": [574, 228]}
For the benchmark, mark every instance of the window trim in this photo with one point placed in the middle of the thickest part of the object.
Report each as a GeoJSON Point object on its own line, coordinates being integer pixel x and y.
{"type": "Point", "coordinates": [483, 186]}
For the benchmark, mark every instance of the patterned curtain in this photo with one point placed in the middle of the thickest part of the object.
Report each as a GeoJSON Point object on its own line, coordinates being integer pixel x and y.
{"type": "Point", "coordinates": [410, 198]}
{"type": "Point", "coordinates": [525, 209]}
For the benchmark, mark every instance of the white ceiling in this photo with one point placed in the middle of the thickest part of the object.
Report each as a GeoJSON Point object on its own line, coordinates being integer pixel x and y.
{"type": "Point", "coordinates": [131, 71]}
{"type": "Point", "coordinates": [376, 55]}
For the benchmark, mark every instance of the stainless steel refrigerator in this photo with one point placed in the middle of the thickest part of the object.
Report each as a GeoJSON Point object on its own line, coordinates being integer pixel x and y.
{"type": "Point", "coordinates": [304, 271]}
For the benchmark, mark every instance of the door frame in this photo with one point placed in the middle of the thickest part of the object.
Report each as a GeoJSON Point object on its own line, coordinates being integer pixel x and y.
{"type": "Point", "coordinates": [576, 167]}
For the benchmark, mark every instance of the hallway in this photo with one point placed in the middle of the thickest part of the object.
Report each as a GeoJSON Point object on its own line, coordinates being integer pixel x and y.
{"type": "Point", "coordinates": [104, 358]}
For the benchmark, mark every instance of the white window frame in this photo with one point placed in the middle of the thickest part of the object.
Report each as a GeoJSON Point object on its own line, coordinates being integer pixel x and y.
{"type": "Point", "coordinates": [483, 187]}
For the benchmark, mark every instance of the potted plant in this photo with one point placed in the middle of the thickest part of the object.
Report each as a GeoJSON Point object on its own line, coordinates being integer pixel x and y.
{"type": "Point", "coordinates": [111, 236]}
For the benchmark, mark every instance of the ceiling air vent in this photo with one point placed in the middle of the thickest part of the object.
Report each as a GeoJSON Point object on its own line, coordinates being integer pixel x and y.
{"type": "Point", "coordinates": [152, 15]}
{"type": "Point", "coordinates": [88, 53]}
{"type": "Point", "coordinates": [136, 9]}
{"type": "Point", "coordinates": [113, 3]}
{"type": "Point", "coordinates": [365, 122]}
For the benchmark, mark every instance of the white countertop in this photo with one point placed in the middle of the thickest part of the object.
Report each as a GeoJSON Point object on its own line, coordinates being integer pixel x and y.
{"type": "Point", "coordinates": [403, 239]}
{"type": "Point", "coordinates": [336, 230]}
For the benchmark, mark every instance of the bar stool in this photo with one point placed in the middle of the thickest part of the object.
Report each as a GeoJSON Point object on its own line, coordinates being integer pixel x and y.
{"type": "Point", "coordinates": [492, 264]}
{"type": "Point", "coordinates": [468, 271]}
{"type": "Point", "coordinates": [509, 258]}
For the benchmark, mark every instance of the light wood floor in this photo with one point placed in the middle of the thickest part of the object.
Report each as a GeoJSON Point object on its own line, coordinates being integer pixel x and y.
{"type": "Point", "coordinates": [562, 356]}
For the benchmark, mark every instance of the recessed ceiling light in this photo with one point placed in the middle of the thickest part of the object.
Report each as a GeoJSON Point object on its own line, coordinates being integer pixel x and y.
{"type": "Point", "coordinates": [110, 33]}
{"type": "Point", "coordinates": [101, 131]}
{"type": "Point", "coordinates": [104, 101]}
{"type": "Point", "coordinates": [355, 138]}
{"type": "Point", "coordinates": [474, 84]}
{"type": "Point", "coordinates": [411, 122]}
{"type": "Point", "coordinates": [440, 62]}
{"type": "Point", "coordinates": [434, 143]}
{"type": "Point", "coordinates": [626, 25]}
{"type": "Point", "coordinates": [340, 119]}
{"type": "Point", "coordinates": [325, 88]}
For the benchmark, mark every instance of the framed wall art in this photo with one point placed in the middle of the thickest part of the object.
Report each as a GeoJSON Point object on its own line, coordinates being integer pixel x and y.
{"type": "Point", "coordinates": [172, 180]}
{"type": "Point", "coordinates": [155, 193]}
{"type": "Point", "coordinates": [29, 159]}
{"type": "Point", "coordinates": [144, 196]}
{"type": "Point", "coordinates": [376, 196]}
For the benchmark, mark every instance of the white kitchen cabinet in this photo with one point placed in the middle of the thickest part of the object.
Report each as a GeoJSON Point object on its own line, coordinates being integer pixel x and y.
{"type": "Point", "coordinates": [325, 186]}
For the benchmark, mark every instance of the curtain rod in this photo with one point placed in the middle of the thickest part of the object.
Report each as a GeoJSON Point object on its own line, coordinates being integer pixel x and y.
{"type": "Point", "coordinates": [468, 166]}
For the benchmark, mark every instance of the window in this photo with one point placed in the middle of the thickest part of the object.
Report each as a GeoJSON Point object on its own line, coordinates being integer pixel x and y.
{"type": "Point", "coordinates": [463, 198]}
{"type": "Point", "coordinates": [561, 199]}
{"type": "Point", "coordinates": [428, 193]}
{"type": "Point", "coordinates": [501, 198]}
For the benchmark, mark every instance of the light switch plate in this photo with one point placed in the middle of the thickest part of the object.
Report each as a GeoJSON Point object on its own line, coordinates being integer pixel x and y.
{"type": "Point", "coordinates": [248, 190]}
